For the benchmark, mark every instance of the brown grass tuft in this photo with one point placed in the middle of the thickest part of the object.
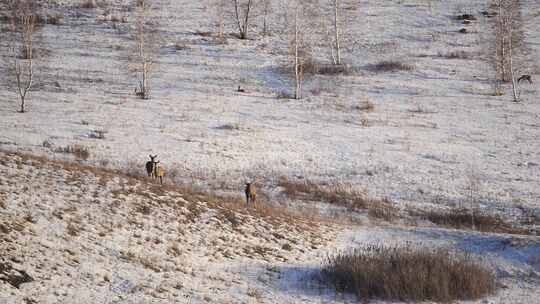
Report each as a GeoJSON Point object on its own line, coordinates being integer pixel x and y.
{"type": "Point", "coordinates": [392, 66]}
{"type": "Point", "coordinates": [405, 273]}
{"type": "Point", "coordinates": [462, 219]}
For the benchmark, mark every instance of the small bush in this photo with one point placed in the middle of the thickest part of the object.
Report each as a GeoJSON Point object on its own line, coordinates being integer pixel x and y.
{"type": "Point", "coordinates": [365, 106]}
{"type": "Point", "coordinates": [88, 4]}
{"type": "Point", "coordinates": [405, 273]}
{"type": "Point", "coordinates": [333, 69]}
{"type": "Point", "coordinates": [455, 55]}
{"type": "Point", "coordinates": [80, 152]}
{"type": "Point", "coordinates": [229, 127]}
{"type": "Point", "coordinates": [392, 66]}
{"type": "Point", "coordinates": [55, 19]}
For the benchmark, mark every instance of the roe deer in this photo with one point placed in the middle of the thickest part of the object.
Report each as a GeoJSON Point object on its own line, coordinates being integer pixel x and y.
{"type": "Point", "coordinates": [251, 193]}
{"type": "Point", "coordinates": [150, 165]}
{"type": "Point", "coordinates": [159, 172]}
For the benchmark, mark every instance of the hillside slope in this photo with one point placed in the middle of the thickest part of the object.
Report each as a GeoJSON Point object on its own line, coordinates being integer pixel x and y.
{"type": "Point", "coordinates": [91, 237]}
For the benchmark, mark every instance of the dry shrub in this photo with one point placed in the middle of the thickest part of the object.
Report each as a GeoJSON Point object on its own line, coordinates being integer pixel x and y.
{"type": "Point", "coordinates": [55, 18]}
{"type": "Point", "coordinates": [392, 66]}
{"type": "Point", "coordinates": [80, 152]}
{"type": "Point", "coordinates": [462, 219]}
{"type": "Point", "coordinates": [405, 273]}
{"type": "Point", "coordinates": [336, 194]}
{"type": "Point", "coordinates": [455, 55]}
{"type": "Point", "coordinates": [383, 210]}
{"type": "Point", "coordinates": [365, 106]}
{"type": "Point", "coordinates": [89, 4]}
{"type": "Point", "coordinates": [332, 69]}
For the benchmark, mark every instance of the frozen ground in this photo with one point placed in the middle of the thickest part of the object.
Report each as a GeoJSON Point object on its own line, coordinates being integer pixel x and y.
{"type": "Point", "coordinates": [86, 236]}
{"type": "Point", "coordinates": [433, 133]}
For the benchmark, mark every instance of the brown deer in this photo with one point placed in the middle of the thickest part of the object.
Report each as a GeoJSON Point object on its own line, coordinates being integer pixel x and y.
{"type": "Point", "coordinates": [150, 165]}
{"type": "Point", "coordinates": [525, 77]}
{"type": "Point", "coordinates": [251, 193]}
{"type": "Point", "coordinates": [158, 172]}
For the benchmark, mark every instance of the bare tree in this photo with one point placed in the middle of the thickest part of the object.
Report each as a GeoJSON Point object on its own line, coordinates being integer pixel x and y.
{"type": "Point", "coordinates": [508, 41]}
{"type": "Point", "coordinates": [23, 14]}
{"type": "Point", "coordinates": [337, 30]}
{"type": "Point", "coordinates": [147, 40]}
{"type": "Point", "coordinates": [298, 75]}
{"type": "Point", "coordinates": [242, 10]}
{"type": "Point", "coordinates": [266, 10]}
{"type": "Point", "coordinates": [299, 42]}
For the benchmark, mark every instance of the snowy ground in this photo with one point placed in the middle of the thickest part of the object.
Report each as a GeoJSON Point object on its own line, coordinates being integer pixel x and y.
{"type": "Point", "coordinates": [87, 236]}
{"type": "Point", "coordinates": [433, 133]}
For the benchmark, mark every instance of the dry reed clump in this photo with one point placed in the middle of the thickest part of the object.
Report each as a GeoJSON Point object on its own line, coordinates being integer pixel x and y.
{"type": "Point", "coordinates": [78, 151]}
{"type": "Point", "coordinates": [338, 194]}
{"type": "Point", "coordinates": [464, 219]}
{"type": "Point", "coordinates": [392, 66]}
{"type": "Point", "coordinates": [405, 273]}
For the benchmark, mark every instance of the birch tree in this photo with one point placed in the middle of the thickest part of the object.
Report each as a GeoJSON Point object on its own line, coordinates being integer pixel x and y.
{"type": "Point", "coordinates": [147, 44]}
{"type": "Point", "coordinates": [242, 10]}
{"type": "Point", "coordinates": [508, 41]}
{"type": "Point", "coordinates": [23, 14]}
{"type": "Point", "coordinates": [337, 30]}
{"type": "Point", "coordinates": [299, 43]}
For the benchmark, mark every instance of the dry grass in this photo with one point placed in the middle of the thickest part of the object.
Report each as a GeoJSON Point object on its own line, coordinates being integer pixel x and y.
{"type": "Point", "coordinates": [462, 219]}
{"type": "Point", "coordinates": [338, 194]}
{"type": "Point", "coordinates": [88, 4]}
{"type": "Point", "coordinates": [455, 55]}
{"type": "Point", "coordinates": [392, 66]}
{"type": "Point", "coordinates": [80, 152]}
{"type": "Point", "coordinates": [404, 273]}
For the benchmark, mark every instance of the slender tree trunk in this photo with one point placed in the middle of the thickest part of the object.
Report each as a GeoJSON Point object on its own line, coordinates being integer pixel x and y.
{"type": "Point", "coordinates": [242, 28]}
{"type": "Point", "coordinates": [296, 59]}
{"type": "Point", "coordinates": [502, 30]}
{"type": "Point", "coordinates": [336, 30]}
{"type": "Point", "coordinates": [511, 62]}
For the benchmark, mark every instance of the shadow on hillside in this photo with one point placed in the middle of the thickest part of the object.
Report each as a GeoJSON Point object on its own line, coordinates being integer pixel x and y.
{"type": "Point", "coordinates": [521, 254]}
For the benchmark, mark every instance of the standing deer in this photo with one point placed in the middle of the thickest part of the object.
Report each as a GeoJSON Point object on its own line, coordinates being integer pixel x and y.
{"type": "Point", "coordinates": [150, 165]}
{"type": "Point", "coordinates": [158, 172]}
{"type": "Point", "coordinates": [251, 193]}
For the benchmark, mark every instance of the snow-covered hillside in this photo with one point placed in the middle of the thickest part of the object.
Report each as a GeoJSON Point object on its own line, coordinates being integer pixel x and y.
{"type": "Point", "coordinates": [431, 138]}
{"type": "Point", "coordinates": [87, 236]}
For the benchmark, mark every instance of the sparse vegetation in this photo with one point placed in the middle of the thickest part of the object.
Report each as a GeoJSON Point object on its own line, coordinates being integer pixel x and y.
{"type": "Point", "coordinates": [461, 219]}
{"type": "Point", "coordinates": [392, 66]}
{"type": "Point", "coordinates": [455, 55]}
{"type": "Point", "coordinates": [406, 273]}
{"type": "Point", "coordinates": [80, 152]}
